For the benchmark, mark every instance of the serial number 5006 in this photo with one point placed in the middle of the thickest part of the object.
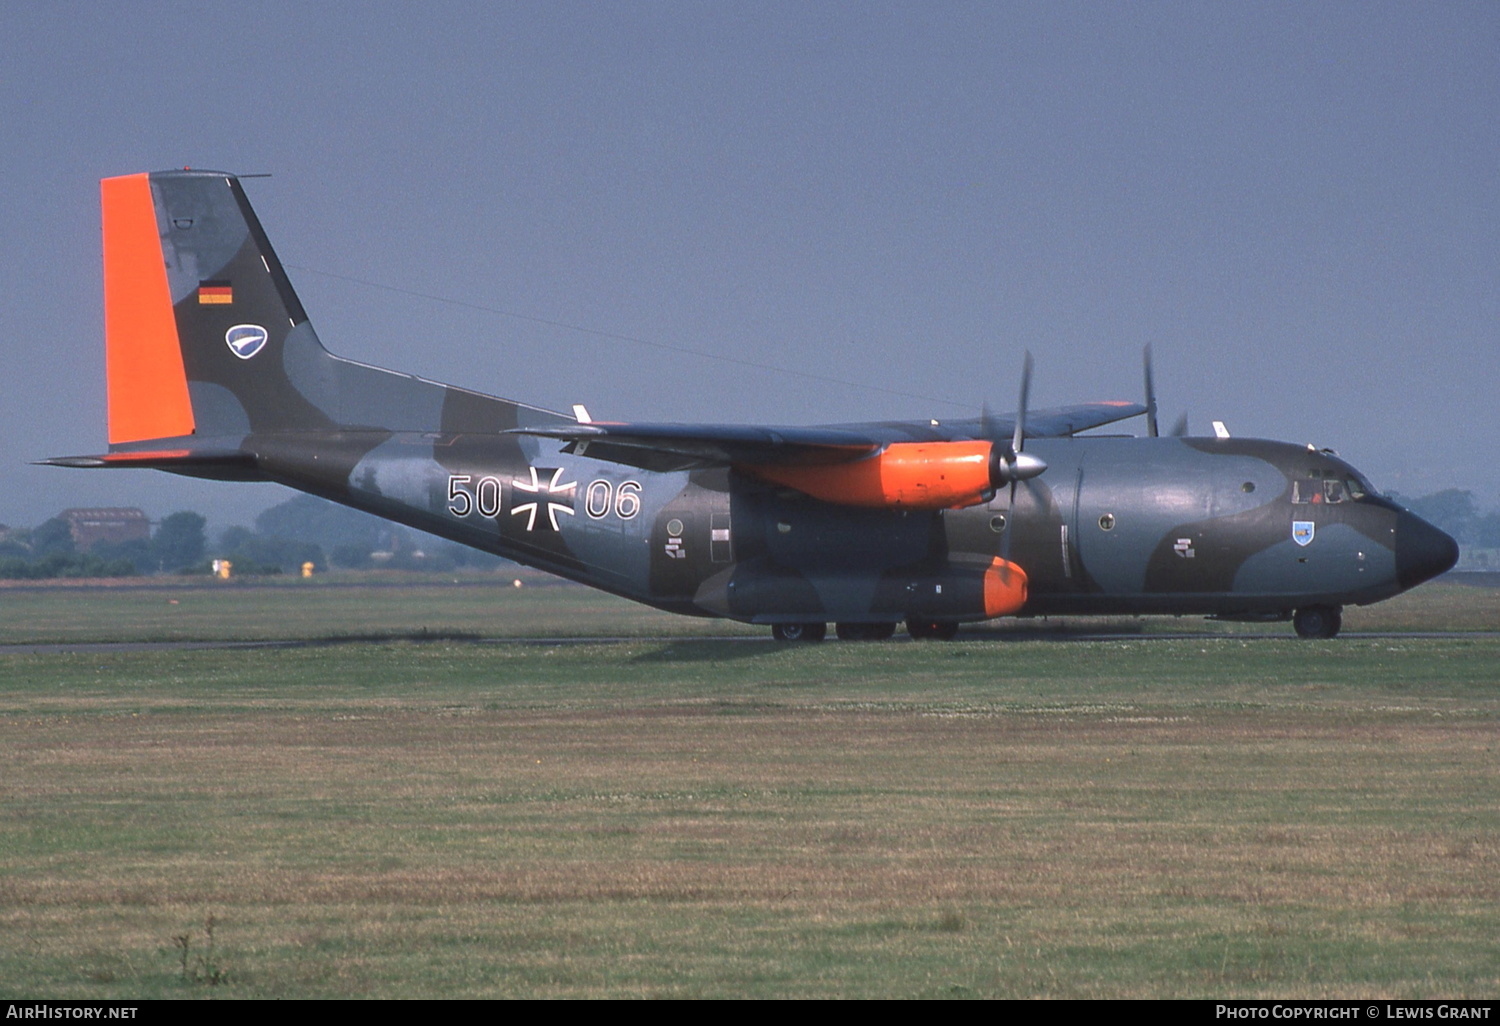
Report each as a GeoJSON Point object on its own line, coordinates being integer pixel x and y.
{"type": "Point", "coordinates": [484, 495]}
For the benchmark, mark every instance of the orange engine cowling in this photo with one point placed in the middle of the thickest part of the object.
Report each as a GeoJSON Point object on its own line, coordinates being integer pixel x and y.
{"type": "Point", "coordinates": [903, 475]}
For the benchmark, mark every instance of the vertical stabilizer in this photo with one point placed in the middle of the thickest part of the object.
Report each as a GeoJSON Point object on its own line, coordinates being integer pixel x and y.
{"type": "Point", "coordinates": [206, 337]}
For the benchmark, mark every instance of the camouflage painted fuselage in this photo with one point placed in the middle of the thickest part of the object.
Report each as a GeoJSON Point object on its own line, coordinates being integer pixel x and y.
{"type": "Point", "coordinates": [1116, 525]}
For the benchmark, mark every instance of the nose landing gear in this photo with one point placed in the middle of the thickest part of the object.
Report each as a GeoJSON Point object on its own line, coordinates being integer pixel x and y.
{"type": "Point", "coordinates": [1318, 621]}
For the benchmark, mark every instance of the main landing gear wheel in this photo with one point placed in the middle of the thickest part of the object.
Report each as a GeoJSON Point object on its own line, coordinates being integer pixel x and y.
{"type": "Point", "coordinates": [864, 631]}
{"type": "Point", "coordinates": [799, 631]}
{"type": "Point", "coordinates": [1318, 621]}
{"type": "Point", "coordinates": [931, 630]}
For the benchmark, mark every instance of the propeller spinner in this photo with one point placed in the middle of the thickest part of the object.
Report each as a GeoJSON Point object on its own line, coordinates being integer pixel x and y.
{"type": "Point", "coordinates": [1013, 464]}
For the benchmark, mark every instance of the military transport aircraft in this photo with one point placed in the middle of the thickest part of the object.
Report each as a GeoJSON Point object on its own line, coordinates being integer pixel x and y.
{"type": "Point", "coordinates": [214, 371]}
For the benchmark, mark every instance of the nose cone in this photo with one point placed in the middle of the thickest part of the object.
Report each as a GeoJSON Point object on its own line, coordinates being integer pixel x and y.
{"type": "Point", "coordinates": [1422, 551]}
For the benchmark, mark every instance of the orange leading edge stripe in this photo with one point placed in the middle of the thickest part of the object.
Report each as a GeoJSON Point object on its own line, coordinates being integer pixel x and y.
{"type": "Point", "coordinates": [148, 393]}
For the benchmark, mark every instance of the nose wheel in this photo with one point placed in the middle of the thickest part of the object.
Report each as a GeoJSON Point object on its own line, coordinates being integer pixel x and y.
{"type": "Point", "coordinates": [1318, 621]}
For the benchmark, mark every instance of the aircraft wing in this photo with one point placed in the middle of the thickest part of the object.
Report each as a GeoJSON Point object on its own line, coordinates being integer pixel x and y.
{"type": "Point", "coordinates": [666, 447]}
{"type": "Point", "coordinates": [1070, 420]}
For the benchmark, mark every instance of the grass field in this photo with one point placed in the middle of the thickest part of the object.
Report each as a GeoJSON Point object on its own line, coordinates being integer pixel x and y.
{"type": "Point", "coordinates": [488, 606]}
{"type": "Point", "coordinates": [1002, 816]}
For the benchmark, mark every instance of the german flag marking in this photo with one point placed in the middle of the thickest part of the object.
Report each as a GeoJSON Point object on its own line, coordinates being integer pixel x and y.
{"type": "Point", "coordinates": [215, 293]}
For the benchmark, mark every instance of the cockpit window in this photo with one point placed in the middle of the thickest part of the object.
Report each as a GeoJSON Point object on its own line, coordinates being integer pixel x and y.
{"type": "Point", "coordinates": [1308, 492]}
{"type": "Point", "coordinates": [1327, 488]}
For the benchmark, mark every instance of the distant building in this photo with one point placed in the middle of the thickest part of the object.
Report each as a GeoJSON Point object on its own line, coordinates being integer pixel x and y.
{"type": "Point", "coordinates": [110, 524]}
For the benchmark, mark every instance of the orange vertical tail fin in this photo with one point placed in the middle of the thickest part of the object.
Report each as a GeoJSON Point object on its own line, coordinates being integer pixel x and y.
{"type": "Point", "coordinates": [147, 385]}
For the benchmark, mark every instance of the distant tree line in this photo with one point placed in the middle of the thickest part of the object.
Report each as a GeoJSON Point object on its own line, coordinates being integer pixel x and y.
{"type": "Point", "coordinates": [304, 529]}
{"type": "Point", "coordinates": [49, 551]}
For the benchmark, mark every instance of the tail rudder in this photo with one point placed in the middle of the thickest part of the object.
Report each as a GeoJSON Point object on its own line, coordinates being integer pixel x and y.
{"type": "Point", "coordinates": [145, 380]}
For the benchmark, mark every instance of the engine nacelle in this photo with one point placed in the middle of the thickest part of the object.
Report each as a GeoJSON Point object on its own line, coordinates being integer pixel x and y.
{"type": "Point", "coordinates": [903, 475]}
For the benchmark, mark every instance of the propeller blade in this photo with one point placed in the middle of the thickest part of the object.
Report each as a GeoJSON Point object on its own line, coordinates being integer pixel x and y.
{"type": "Point", "coordinates": [1010, 527]}
{"type": "Point", "coordinates": [1180, 429]}
{"type": "Point", "coordinates": [1151, 426]}
{"type": "Point", "coordinates": [1019, 439]}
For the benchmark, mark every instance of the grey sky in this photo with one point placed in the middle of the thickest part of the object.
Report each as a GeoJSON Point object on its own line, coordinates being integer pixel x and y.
{"type": "Point", "coordinates": [1297, 204]}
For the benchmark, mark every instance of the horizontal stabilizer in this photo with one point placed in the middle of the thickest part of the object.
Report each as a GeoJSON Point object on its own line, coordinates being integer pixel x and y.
{"type": "Point", "coordinates": [158, 459]}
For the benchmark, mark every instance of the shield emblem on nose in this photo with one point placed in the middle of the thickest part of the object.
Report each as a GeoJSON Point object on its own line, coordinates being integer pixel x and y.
{"type": "Point", "coordinates": [1302, 531]}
